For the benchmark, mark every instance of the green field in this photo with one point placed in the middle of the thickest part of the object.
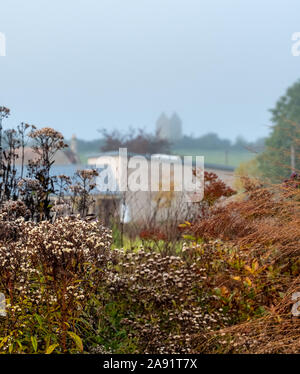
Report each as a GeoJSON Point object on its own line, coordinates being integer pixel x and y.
{"type": "Point", "coordinates": [234, 158]}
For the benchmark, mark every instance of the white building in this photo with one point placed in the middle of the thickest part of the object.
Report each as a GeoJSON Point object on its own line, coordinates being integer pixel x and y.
{"type": "Point", "coordinates": [160, 199]}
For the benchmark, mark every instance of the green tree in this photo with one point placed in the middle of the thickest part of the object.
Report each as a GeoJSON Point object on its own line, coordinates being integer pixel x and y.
{"type": "Point", "coordinates": [282, 147]}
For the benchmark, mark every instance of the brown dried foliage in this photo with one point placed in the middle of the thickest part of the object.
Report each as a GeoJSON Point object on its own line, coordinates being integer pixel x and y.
{"type": "Point", "coordinates": [264, 226]}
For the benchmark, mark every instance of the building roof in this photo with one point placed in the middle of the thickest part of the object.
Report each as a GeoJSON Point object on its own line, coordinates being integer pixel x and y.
{"type": "Point", "coordinates": [61, 157]}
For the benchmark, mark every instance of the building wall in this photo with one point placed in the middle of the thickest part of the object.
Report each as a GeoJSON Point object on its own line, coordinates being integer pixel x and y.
{"type": "Point", "coordinates": [61, 157]}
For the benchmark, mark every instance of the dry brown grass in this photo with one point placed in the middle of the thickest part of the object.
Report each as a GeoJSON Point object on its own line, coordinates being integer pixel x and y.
{"type": "Point", "coordinates": [265, 227]}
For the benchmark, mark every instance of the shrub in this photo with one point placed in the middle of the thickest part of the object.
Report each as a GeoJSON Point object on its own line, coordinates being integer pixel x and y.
{"type": "Point", "coordinates": [158, 303]}
{"type": "Point", "coordinates": [48, 272]}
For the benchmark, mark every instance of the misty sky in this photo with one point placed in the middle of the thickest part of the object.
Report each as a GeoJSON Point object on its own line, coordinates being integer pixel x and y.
{"type": "Point", "coordinates": [82, 65]}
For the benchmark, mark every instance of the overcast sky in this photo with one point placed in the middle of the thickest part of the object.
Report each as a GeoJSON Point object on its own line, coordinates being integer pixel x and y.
{"type": "Point", "coordinates": [82, 65]}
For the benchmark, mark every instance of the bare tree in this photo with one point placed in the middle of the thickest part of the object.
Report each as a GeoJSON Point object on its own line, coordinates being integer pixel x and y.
{"type": "Point", "coordinates": [4, 113]}
{"type": "Point", "coordinates": [82, 189]}
{"type": "Point", "coordinates": [138, 141]}
{"type": "Point", "coordinates": [47, 142]}
{"type": "Point", "coordinates": [22, 128]}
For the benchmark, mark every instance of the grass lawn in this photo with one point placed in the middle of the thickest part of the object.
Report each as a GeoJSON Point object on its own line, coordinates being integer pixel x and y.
{"type": "Point", "coordinates": [217, 156]}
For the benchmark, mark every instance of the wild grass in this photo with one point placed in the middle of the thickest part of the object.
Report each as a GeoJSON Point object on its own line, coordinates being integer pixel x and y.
{"type": "Point", "coordinates": [226, 288]}
{"type": "Point", "coordinates": [225, 281]}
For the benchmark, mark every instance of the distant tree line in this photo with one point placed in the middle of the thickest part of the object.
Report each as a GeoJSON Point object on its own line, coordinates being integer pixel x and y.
{"type": "Point", "coordinates": [139, 141]}
{"type": "Point", "coordinates": [136, 141]}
